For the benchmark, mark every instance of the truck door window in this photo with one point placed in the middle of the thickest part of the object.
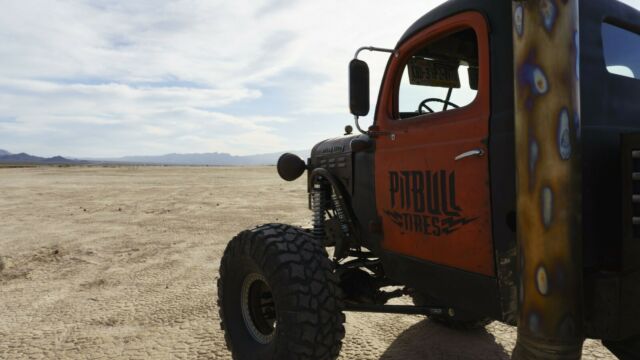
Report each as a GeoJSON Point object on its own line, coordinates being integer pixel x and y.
{"type": "Point", "coordinates": [621, 51]}
{"type": "Point", "coordinates": [441, 76]}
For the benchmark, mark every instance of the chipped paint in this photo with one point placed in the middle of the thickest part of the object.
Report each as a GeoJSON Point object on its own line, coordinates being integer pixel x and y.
{"type": "Point", "coordinates": [532, 76]}
{"type": "Point", "coordinates": [518, 19]}
{"type": "Point", "coordinates": [542, 281]}
{"type": "Point", "coordinates": [549, 12]}
{"type": "Point", "coordinates": [564, 138]}
{"type": "Point", "coordinates": [540, 82]}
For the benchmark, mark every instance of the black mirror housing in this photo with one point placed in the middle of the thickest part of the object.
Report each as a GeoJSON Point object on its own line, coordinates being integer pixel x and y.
{"type": "Point", "coordinates": [290, 166]}
{"type": "Point", "coordinates": [359, 87]}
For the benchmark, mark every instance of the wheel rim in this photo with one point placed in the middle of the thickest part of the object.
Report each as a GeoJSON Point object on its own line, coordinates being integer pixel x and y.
{"type": "Point", "coordinates": [258, 308]}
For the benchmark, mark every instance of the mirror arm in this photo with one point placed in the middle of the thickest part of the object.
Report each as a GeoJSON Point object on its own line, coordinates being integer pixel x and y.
{"type": "Point", "coordinates": [373, 48]}
{"type": "Point", "coordinates": [372, 132]}
{"type": "Point", "coordinates": [370, 48]}
{"type": "Point", "coordinates": [356, 117]}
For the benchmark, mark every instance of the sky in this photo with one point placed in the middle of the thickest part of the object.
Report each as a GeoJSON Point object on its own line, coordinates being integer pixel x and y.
{"type": "Point", "coordinates": [113, 78]}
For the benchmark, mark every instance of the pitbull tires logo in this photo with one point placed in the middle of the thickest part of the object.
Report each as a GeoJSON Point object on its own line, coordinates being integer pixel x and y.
{"type": "Point", "coordinates": [425, 202]}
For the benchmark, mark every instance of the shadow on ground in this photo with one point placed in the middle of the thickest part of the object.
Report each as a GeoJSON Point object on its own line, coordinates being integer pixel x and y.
{"type": "Point", "coordinates": [428, 340]}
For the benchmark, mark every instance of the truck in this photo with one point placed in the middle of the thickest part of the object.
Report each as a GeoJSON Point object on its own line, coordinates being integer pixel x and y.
{"type": "Point", "coordinates": [499, 181]}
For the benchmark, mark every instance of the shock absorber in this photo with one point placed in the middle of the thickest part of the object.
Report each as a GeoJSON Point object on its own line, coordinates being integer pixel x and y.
{"type": "Point", "coordinates": [318, 195]}
{"type": "Point", "coordinates": [340, 213]}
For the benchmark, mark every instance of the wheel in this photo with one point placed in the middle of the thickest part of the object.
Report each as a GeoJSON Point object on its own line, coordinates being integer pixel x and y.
{"type": "Point", "coordinates": [278, 297]}
{"type": "Point", "coordinates": [459, 321]}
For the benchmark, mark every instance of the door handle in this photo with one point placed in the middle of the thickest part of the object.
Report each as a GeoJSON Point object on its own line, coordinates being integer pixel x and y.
{"type": "Point", "coordinates": [470, 153]}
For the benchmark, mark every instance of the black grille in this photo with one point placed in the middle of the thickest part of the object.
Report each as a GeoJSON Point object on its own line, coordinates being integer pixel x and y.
{"type": "Point", "coordinates": [635, 193]}
{"type": "Point", "coordinates": [630, 153]}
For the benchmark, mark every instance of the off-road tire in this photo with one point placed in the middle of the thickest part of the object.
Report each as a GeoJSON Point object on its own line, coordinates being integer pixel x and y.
{"type": "Point", "coordinates": [459, 321]}
{"type": "Point", "coordinates": [304, 289]}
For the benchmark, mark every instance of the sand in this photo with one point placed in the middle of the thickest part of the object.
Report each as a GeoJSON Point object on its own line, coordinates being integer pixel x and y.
{"type": "Point", "coordinates": [107, 262]}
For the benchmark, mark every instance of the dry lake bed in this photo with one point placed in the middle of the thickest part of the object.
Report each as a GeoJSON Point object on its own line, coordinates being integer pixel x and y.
{"type": "Point", "coordinates": [121, 262]}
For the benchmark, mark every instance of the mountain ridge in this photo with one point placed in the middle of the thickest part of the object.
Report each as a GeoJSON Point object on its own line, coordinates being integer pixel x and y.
{"type": "Point", "coordinates": [24, 158]}
{"type": "Point", "coordinates": [214, 158]}
{"type": "Point", "coordinates": [202, 159]}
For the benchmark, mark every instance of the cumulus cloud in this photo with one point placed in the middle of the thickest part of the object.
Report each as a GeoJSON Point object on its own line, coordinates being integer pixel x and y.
{"type": "Point", "coordinates": [110, 78]}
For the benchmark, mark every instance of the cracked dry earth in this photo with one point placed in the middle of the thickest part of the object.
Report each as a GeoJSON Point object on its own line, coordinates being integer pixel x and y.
{"type": "Point", "coordinates": [120, 262]}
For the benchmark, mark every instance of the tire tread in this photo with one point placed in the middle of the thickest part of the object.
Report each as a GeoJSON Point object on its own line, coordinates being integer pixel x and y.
{"type": "Point", "coordinates": [303, 283]}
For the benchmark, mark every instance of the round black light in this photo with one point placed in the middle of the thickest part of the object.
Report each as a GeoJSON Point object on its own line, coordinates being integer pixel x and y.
{"type": "Point", "coordinates": [290, 166]}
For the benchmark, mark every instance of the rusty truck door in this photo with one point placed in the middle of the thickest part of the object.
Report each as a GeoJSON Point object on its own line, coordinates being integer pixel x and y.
{"type": "Point", "coordinates": [432, 169]}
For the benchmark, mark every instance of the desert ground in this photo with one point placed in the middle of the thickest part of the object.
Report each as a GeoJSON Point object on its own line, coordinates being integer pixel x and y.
{"type": "Point", "coordinates": [121, 262]}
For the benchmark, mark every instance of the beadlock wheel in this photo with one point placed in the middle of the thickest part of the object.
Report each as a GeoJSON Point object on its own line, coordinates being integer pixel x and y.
{"type": "Point", "coordinates": [258, 308]}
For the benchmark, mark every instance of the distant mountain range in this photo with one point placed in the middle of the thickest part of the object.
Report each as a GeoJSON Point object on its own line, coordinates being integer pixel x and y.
{"type": "Point", "coordinates": [219, 159]}
{"type": "Point", "coordinates": [213, 159]}
{"type": "Point", "coordinates": [24, 158]}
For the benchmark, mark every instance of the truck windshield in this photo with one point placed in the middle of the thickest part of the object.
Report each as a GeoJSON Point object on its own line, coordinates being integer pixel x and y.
{"type": "Point", "coordinates": [621, 51]}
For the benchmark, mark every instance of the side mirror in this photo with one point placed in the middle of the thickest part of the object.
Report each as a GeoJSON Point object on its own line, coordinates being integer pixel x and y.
{"type": "Point", "coordinates": [358, 87]}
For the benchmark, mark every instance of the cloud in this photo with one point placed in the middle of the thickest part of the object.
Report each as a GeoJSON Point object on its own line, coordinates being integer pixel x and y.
{"type": "Point", "coordinates": [155, 72]}
{"type": "Point", "coordinates": [111, 78]}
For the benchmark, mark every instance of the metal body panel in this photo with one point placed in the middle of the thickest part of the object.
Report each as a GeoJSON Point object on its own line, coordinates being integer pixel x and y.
{"type": "Point", "coordinates": [335, 155]}
{"type": "Point", "coordinates": [450, 286]}
{"type": "Point", "coordinates": [610, 107]}
{"type": "Point", "coordinates": [500, 145]}
{"type": "Point", "coordinates": [434, 207]}
{"type": "Point", "coordinates": [610, 115]}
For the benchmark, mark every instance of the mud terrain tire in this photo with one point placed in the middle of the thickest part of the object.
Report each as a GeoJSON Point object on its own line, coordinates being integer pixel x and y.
{"type": "Point", "coordinates": [286, 269]}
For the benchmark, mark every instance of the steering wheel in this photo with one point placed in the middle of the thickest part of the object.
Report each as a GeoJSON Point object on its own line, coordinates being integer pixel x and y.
{"type": "Point", "coordinates": [423, 105]}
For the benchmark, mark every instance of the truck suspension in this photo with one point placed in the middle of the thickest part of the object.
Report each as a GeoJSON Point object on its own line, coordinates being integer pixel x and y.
{"type": "Point", "coordinates": [318, 208]}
